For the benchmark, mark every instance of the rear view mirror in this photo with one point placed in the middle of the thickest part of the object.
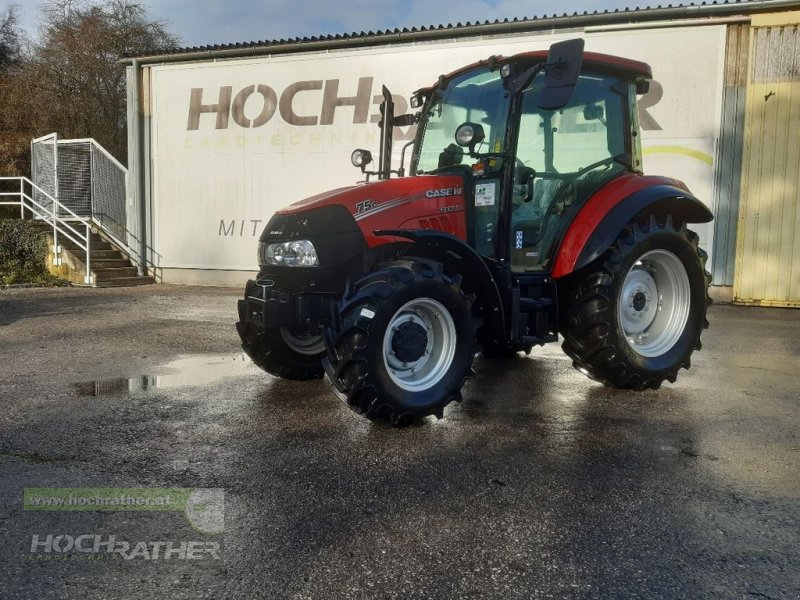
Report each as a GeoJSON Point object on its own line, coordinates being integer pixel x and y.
{"type": "Point", "coordinates": [561, 73]}
{"type": "Point", "coordinates": [404, 120]}
{"type": "Point", "coordinates": [593, 112]}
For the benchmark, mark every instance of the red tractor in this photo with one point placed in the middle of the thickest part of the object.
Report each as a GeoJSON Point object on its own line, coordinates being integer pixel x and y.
{"type": "Point", "coordinates": [525, 215]}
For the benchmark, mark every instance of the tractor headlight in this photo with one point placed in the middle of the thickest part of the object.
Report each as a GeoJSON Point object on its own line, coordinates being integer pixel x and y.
{"type": "Point", "coordinates": [297, 253]}
{"type": "Point", "coordinates": [469, 135]}
{"type": "Point", "coordinates": [361, 158]}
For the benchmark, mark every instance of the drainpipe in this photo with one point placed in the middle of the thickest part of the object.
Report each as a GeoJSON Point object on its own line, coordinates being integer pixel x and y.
{"type": "Point", "coordinates": [138, 160]}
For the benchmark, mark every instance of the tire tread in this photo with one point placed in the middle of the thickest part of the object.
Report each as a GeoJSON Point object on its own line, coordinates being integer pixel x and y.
{"type": "Point", "coordinates": [589, 332]}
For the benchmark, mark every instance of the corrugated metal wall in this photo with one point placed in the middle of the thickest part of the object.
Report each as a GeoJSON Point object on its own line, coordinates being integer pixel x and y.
{"type": "Point", "coordinates": [729, 154]}
{"type": "Point", "coordinates": [768, 252]}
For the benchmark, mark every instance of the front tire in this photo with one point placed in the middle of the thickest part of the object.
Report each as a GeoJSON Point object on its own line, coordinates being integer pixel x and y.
{"type": "Point", "coordinates": [403, 344]}
{"type": "Point", "coordinates": [280, 351]}
{"type": "Point", "coordinates": [635, 317]}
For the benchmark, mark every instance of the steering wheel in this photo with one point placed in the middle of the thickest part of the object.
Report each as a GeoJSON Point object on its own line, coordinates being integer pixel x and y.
{"type": "Point", "coordinates": [606, 161]}
{"type": "Point", "coordinates": [575, 174]}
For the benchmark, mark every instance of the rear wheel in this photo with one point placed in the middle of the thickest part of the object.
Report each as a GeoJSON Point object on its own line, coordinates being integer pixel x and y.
{"type": "Point", "coordinates": [404, 342]}
{"type": "Point", "coordinates": [634, 318]}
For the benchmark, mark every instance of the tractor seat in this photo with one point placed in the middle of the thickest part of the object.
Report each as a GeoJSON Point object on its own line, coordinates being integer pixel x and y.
{"type": "Point", "coordinates": [530, 217]}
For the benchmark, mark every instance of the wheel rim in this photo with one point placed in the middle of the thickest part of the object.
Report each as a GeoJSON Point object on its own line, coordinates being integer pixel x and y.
{"type": "Point", "coordinates": [307, 345]}
{"type": "Point", "coordinates": [419, 344]}
{"type": "Point", "coordinates": [654, 303]}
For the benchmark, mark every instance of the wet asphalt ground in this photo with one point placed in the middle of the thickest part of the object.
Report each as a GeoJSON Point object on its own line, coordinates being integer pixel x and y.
{"type": "Point", "coordinates": [540, 484]}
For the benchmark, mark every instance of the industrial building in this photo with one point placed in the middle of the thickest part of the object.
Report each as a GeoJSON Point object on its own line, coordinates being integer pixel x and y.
{"type": "Point", "coordinates": [221, 137]}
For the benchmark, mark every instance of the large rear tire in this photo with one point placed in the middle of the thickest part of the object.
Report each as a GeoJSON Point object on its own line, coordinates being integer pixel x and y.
{"type": "Point", "coordinates": [634, 318]}
{"type": "Point", "coordinates": [404, 342]}
{"type": "Point", "coordinates": [281, 352]}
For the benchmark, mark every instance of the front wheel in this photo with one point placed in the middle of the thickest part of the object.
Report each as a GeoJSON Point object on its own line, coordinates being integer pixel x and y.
{"type": "Point", "coordinates": [403, 343]}
{"type": "Point", "coordinates": [280, 351]}
{"type": "Point", "coordinates": [635, 317]}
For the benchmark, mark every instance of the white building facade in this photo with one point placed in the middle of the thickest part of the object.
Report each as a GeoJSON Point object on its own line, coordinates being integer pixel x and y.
{"type": "Point", "coordinates": [221, 138]}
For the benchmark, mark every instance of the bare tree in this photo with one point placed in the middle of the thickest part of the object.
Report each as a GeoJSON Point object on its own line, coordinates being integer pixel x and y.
{"type": "Point", "coordinates": [9, 38]}
{"type": "Point", "coordinates": [12, 136]}
{"type": "Point", "coordinates": [76, 66]}
{"type": "Point", "coordinates": [70, 80]}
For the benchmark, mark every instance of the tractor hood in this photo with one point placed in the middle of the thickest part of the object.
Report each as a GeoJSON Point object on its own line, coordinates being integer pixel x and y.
{"type": "Point", "coordinates": [367, 207]}
{"type": "Point", "coordinates": [360, 198]}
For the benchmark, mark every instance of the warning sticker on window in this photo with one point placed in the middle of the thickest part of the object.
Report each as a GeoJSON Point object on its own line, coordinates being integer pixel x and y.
{"type": "Point", "coordinates": [485, 194]}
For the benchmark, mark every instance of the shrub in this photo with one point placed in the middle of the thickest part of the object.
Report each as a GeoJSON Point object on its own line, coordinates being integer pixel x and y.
{"type": "Point", "coordinates": [23, 253]}
{"type": "Point", "coordinates": [9, 212]}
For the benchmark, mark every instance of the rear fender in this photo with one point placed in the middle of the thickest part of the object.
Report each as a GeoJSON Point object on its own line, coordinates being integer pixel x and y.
{"type": "Point", "coordinates": [594, 230]}
{"type": "Point", "coordinates": [458, 257]}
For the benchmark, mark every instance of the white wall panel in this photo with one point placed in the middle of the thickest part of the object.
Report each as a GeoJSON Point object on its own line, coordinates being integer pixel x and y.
{"type": "Point", "coordinates": [205, 179]}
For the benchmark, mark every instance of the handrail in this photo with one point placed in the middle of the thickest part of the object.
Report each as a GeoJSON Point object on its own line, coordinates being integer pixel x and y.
{"type": "Point", "coordinates": [122, 245]}
{"type": "Point", "coordinates": [61, 221]}
{"type": "Point", "coordinates": [51, 217]}
{"type": "Point", "coordinates": [49, 197]}
{"type": "Point", "coordinates": [55, 202]}
{"type": "Point", "coordinates": [95, 146]}
{"type": "Point", "coordinates": [44, 137]}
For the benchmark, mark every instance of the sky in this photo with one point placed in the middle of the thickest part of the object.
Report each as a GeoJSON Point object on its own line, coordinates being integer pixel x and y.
{"type": "Point", "coordinates": [202, 22]}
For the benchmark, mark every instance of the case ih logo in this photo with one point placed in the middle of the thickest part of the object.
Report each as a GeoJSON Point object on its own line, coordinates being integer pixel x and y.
{"type": "Point", "coordinates": [443, 192]}
{"type": "Point", "coordinates": [225, 105]}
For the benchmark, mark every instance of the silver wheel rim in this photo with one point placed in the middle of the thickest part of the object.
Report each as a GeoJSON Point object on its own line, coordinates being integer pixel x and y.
{"type": "Point", "coordinates": [440, 348]}
{"type": "Point", "coordinates": [307, 345]}
{"type": "Point", "coordinates": [654, 303]}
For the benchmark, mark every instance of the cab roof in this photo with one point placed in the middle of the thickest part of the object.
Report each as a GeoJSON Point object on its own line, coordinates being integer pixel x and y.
{"type": "Point", "coordinates": [625, 68]}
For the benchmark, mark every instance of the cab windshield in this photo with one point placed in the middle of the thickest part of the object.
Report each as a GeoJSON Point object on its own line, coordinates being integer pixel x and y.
{"type": "Point", "coordinates": [476, 97]}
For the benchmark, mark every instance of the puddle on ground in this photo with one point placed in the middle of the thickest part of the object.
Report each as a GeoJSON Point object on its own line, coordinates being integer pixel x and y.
{"type": "Point", "coordinates": [183, 371]}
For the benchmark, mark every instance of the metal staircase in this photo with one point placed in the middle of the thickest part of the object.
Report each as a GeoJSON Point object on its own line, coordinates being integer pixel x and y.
{"type": "Point", "coordinates": [109, 265]}
{"type": "Point", "coordinates": [80, 249]}
{"type": "Point", "coordinates": [78, 195]}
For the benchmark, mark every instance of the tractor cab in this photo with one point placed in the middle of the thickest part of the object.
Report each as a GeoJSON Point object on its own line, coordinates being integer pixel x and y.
{"type": "Point", "coordinates": [537, 135]}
